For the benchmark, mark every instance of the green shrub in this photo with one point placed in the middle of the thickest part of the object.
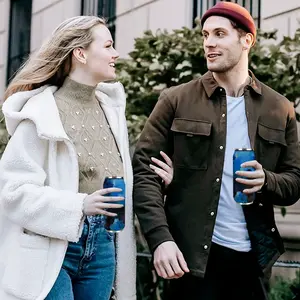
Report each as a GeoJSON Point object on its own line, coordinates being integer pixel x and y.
{"type": "Point", "coordinates": [285, 289]}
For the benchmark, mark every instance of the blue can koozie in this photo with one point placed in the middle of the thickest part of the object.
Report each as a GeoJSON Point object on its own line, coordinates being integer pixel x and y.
{"type": "Point", "coordinates": [241, 156]}
{"type": "Point", "coordinates": [116, 223]}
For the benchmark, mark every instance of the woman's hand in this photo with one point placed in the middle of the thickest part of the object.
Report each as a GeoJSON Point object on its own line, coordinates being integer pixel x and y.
{"type": "Point", "coordinates": [97, 203]}
{"type": "Point", "coordinates": [165, 169]}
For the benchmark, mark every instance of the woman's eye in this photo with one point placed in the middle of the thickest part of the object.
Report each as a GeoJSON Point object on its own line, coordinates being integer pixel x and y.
{"type": "Point", "coordinates": [220, 33]}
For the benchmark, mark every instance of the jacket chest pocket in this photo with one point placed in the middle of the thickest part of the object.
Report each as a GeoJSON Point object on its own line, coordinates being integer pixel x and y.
{"type": "Point", "coordinates": [192, 139]}
{"type": "Point", "coordinates": [270, 143]}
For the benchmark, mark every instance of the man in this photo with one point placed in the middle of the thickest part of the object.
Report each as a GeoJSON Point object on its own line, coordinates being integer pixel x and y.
{"type": "Point", "coordinates": [214, 247]}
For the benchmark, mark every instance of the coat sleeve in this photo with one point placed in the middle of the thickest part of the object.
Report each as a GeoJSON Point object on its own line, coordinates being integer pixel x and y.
{"type": "Point", "coordinates": [25, 199]}
{"type": "Point", "coordinates": [283, 186]}
{"type": "Point", "coordinates": [148, 191]}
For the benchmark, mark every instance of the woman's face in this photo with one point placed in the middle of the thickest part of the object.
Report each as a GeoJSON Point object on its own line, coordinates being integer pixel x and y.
{"type": "Point", "coordinates": [100, 56]}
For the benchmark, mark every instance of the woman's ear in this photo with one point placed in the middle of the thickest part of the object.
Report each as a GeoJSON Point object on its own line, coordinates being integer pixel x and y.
{"type": "Point", "coordinates": [80, 55]}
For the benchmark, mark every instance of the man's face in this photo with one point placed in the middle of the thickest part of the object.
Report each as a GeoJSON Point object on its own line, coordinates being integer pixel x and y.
{"type": "Point", "coordinates": [222, 44]}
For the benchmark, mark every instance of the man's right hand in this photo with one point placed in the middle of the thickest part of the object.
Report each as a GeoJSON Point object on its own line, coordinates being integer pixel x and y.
{"type": "Point", "coordinates": [169, 262]}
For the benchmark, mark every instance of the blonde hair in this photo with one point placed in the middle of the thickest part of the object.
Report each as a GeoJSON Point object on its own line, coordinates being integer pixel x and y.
{"type": "Point", "coordinates": [52, 62]}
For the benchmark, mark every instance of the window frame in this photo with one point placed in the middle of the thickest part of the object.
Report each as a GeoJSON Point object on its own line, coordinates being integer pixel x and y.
{"type": "Point", "coordinates": [16, 28]}
{"type": "Point", "coordinates": [200, 5]}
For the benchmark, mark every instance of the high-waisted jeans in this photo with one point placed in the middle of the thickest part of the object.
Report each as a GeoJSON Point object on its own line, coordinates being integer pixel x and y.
{"type": "Point", "coordinates": [88, 269]}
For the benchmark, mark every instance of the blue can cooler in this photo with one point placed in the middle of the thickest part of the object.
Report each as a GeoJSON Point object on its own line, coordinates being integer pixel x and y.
{"type": "Point", "coordinates": [241, 156]}
{"type": "Point", "coordinates": [117, 223]}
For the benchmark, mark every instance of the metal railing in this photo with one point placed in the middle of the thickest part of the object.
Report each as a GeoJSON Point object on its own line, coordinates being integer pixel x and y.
{"type": "Point", "coordinates": [287, 264]}
{"type": "Point", "coordinates": [279, 263]}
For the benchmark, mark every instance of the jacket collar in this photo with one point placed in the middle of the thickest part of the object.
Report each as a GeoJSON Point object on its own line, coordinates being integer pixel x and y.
{"type": "Point", "coordinates": [40, 107]}
{"type": "Point", "coordinates": [37, 105]}
{"type": "Point", "coordinates": [211, 85]}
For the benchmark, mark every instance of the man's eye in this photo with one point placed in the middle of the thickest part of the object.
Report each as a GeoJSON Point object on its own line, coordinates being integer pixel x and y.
{"type": "Point", "coordinates": [220, 33]}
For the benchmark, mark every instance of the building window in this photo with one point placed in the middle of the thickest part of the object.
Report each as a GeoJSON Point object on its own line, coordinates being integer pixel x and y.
{"type": "Point", "coordinates": [89, 7]}
{"type": "Point", "coordinates": [19, 35]}
{"type": "Point", "coordinates": [107, 9]}
{"type": "Point", "coordinates": [253, 6]}
{"type": "Point", "coordinates": [101, 8]}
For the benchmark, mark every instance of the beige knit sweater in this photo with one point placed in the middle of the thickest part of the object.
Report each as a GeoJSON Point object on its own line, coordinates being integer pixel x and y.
{"type": "Point", "coordinates": [86, 125]}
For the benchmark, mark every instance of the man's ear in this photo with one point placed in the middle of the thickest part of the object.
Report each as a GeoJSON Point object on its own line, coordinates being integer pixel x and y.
{"type": "Point", "coordinates": [80, 55]}
{"type": "Point", "coordinates": [247, 41]}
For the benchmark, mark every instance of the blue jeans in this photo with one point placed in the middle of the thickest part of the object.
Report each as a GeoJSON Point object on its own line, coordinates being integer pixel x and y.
{"type": "Point", "coordinates": [88, 269]}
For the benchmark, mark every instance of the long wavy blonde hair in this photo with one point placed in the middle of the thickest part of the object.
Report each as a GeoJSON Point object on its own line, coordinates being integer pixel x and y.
{"type": "Point", "coordinates": [52, 62]}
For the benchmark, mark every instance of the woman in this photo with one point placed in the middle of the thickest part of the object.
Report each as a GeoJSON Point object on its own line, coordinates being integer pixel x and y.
{"type": "Point", "coordinates": [63, 144]}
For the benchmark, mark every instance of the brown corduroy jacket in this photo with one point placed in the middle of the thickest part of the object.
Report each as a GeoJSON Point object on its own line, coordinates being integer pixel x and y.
{"type": "Point", "coordinates": [189, 124]}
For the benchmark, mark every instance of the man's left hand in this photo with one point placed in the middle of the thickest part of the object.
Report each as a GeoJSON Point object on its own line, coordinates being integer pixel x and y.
{"type": "Point", "coordinates": [255, 179]}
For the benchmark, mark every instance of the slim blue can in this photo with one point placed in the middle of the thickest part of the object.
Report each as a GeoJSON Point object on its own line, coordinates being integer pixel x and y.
{"type": "Point", "coordinates": [117, 223]}
{"type": "Point", "coordinates": [241, 156]}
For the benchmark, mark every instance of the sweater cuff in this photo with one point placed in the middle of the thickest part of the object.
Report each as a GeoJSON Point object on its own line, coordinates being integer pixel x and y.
{"type": "Point", "coordinates": [157, 236]}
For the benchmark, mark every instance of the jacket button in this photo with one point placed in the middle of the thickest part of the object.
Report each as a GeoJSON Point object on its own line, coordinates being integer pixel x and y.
{"type": "Point", "coordinates": [205, 247]}
{"type": "Point", "coordinates": [223, 115]}
{"type": "Point", "coordinates": [218, 179]}
{"type": "Point", "coordinates": [212, 213]}
{"type": "Point", "coordinates": [221, 147]}
{"type": "Point", "coordinates": [273, 229]}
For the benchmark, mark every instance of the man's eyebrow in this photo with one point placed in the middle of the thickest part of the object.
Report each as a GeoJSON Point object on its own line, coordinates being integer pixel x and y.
{"type": "Point", "coordinates": [216, 29]}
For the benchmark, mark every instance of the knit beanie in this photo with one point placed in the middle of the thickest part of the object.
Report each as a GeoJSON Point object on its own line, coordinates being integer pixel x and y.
{"type": "Point", "coordinates": [234, 12]}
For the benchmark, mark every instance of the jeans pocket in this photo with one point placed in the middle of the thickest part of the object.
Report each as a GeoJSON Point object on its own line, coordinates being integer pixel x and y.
{"type": "Point", "coordinates": [110, 235]}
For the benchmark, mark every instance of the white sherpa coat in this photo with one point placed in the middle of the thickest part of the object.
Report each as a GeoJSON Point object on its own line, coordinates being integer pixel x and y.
{"type": "Point", "coordinates": [40, 207]}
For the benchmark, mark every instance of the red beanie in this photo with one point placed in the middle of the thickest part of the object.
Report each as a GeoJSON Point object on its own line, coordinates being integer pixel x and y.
{"type": "Point", "coordinates": [234, 12]}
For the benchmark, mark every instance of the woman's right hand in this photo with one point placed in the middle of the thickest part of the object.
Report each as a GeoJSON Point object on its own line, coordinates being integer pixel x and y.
{"type": "Point", "coordinates": [164, 170]}
{"type": "Point", "coordinates": [97, 203]}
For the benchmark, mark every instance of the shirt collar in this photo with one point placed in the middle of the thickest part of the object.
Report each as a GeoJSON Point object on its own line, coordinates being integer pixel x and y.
{"type": "Point", "coordinates": [211, 85]}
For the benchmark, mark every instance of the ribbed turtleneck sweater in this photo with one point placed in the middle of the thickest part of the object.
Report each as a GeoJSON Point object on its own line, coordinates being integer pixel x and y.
{"type": "Point", "coordinates": [86, 125]}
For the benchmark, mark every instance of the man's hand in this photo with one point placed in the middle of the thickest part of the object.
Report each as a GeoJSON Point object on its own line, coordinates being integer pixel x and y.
{"type": "Point", "coordinates": [169, 262]}
{"type": "Point", "coordinates": [255, 179]}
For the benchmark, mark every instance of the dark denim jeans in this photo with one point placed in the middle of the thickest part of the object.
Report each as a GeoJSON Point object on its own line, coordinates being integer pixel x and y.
{"type": "Point", "coordinates": [88, 270]}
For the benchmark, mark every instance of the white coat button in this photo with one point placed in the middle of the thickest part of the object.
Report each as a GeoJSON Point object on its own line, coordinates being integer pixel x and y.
{"type": "Point", "coordinates": [223, 115]}
{"type": "Point", "coordinates": [205, 247]}
{"type": "Point", "coordinates": [273, 229]}
{"type": "Point", "coordinates": [212, 213]}
{"type": "Point", "coordinates": [218, 179]}
{"type": "Point", "coordinates": [221, 147]}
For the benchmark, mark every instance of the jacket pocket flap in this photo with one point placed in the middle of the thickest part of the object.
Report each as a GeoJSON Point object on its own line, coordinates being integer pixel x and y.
{"type": "Point", "coordinates": [34, 241]}
{"type": "Point", "coordinates": [193, 127]}
{"type": "Point", "coordinates": [272, 135]}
